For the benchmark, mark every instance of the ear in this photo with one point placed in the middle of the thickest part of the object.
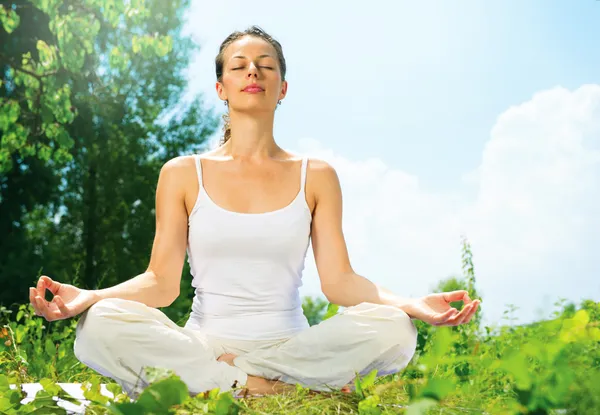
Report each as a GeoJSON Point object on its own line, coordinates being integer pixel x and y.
{"type": "Point", "coordinates": [284, 87]}
{"type": "Point", "coordinates": [221, 91]}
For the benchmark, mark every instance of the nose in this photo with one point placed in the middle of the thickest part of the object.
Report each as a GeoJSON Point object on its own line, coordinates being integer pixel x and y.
{"type": "Point", "coordinates": [252, 70]}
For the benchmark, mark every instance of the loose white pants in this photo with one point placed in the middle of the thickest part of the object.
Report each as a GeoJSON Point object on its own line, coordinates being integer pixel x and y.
{"type": "Point", "coordinates": [118, 338]}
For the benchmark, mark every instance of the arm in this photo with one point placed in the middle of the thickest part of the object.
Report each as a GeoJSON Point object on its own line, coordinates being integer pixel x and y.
{"type": "Point", "coordinates": [159, 285]}
{"type": "Point", "coordinates": [339, 283]}
{"type": "Point", "coordinates": [342, 286]}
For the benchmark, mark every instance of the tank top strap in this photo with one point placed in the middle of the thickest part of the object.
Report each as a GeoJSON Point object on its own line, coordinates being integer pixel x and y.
{"type": "Point", "coordinates": [199, 171]}
{"type": "Point", "coordinates": [303, 173]}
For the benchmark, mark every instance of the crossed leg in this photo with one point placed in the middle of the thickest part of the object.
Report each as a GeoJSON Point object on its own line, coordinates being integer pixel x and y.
{"type": "Point", "coordinates": [327, 356]}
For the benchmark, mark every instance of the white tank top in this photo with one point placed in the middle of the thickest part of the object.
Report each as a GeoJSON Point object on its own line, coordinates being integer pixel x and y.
{"type": "Point", "coordinates": [247, 267]}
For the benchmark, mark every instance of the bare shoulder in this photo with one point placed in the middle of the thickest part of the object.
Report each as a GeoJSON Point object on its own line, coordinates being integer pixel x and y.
{"type": "Point", "coordinates": [178, 171]}
{"type": "Point", "coordinates": [321, 171]}
{"type": "Point", "coordinates": [322, 178]}
{"type": "Point", "coordinates": [178, 164]}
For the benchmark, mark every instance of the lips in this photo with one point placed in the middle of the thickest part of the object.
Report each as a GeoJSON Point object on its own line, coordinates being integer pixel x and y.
{"type": "Point", "coordinates": [253, 88]}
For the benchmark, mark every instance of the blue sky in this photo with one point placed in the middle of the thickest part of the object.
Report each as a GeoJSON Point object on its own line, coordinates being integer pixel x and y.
{"type": "Point", "coordinates": [444, 118]}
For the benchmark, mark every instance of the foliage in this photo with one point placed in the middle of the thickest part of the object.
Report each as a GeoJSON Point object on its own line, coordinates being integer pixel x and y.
{"type": "Point", "coordinates": [538, 368]}
{"type": "Point", "coordinates": [91, 107]}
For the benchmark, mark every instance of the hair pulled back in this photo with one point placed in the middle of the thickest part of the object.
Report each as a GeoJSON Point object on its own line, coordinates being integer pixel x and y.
{"type": "Point", "coordinates": [219, 61]}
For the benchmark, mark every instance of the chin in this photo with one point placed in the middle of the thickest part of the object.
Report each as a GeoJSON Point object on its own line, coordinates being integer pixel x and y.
{"type": "Point", "coordinates": [255, 108]}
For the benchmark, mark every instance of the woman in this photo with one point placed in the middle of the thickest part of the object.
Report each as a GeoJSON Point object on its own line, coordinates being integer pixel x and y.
{"type": "Point", "coordinates": [245, 213]}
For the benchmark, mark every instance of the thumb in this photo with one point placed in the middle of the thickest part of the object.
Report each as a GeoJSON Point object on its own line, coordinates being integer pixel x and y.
{"type": "Point", "coordinates": [52, 285]}
{"type": "Point", "coordinates": [456, 295]}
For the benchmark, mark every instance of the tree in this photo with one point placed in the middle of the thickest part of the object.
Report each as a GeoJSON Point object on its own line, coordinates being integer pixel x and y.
{"type": "Point", "coordinates": [86, 89]}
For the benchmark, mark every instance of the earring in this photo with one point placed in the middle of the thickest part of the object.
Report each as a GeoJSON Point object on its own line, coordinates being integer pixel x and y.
{"type": "Point", "coordinates": [226, 103]}
{"type": "Point", "coordinates": [279, 103]}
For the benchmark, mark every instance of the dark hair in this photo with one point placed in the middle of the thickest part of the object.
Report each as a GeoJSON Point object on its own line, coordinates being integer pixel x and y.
{"type": "Point", "coordinates": [251, 31]}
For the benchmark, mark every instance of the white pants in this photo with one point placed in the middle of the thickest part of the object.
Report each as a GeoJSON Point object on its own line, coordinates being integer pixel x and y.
{"type": "Point", "coordinates": [119, 337]}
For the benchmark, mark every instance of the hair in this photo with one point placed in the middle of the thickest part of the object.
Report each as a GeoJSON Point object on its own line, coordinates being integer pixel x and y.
{"type": "Point", "coordinates": [251, 31]}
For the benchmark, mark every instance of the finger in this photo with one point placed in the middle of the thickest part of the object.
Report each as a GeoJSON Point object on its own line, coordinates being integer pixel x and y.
{"type": "Point", "coordinates": [39, 306]}
{"type": "Point", "coordinates": [443, 318]}
{"type": "Point", "coordinates": [61, 306]}
{"type": "Point", "coordinates": [467, 299]}
{"type": "Point", "coordinates": [457, 319]}
{"type": "Point", "coordinates": [52, 285]}
{"type": "Point", "coordinates": [464, 316]}
{"type": "Point", "coordinates": [32, 295]}
{"type": "Point", "coordinates": [41, 289]}
{"type": "Point", "coordinates": [455, 295]}
{"type": "Point", "coordinates": [473, 311]}
{"type": "Point", "coordinates": [44, 308]}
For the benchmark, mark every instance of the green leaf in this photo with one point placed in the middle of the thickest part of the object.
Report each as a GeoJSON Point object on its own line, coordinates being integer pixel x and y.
{"type": "Point", "coordinates": [50, 348]}
{"type": "Point", "coordinates": [369, 380]}
{"type": "Point", "coordinates": [4, 384]}
{"type": "Point", "coordinates": [10, 19]}
{"type": "Point", "coordinates": [369, 406]}
{"type": "Point", "coordinates": [127, 408]}
{"type": "Point", "coordinates": [332, 310]}
{"type": "Point", "coordinates": [225, 405]}
{"type": "Point", "coordinates": [441, 342]}
{"type": "Point", "coordinates": [421, 406]}
{"type": "Point", "coordinates": [47, 58]}
{"type": "Point", "coordinates": [51, 387]}
{"type": "Point", "coordinates": [518, 367]}
{"type": "Point", "coordinates": [437, 389]}
{"type": "Point", "coordinates": [160, 396]}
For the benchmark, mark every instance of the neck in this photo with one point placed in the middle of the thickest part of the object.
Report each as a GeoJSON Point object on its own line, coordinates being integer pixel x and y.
{"type": "Point", "coordinates": [251, 136]}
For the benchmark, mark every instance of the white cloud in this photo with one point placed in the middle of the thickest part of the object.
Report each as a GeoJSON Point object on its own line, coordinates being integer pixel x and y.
{"type": "Point", "coordinates": [534, 222]}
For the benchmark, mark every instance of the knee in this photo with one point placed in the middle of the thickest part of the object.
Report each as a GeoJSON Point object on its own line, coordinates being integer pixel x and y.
{"type": "Point", "coordinates": [95, 327]}
{"type": "Point", "coordinates": [400, 331]}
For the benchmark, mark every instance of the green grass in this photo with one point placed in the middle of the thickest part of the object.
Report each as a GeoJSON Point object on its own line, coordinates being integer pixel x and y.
{"type": "Point", "coordinates": [547, 367]}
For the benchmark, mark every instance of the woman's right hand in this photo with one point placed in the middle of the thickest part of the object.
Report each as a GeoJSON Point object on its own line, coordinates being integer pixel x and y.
{"type": "Point", "coordinates": [68, 301]}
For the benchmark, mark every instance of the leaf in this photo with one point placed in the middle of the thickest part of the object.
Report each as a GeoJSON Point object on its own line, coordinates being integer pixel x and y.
{"type": "Point", "coordinates": [10, 19]}
{"type": "Point", "coordinates": [225, 404]}
{"type": "Point", "coordinates": [4, 384]}
{"type": "Point", "coordinates": [127, 408]}
{"type": "Point", "coordinates": [50, 348]}
{"type": "Point", "coordinates": [358, 387]}
{"type": "Point", "coordinates": [421, 406]}
{"type": "Point", "coordinates": [46, 54]}
{"type": "Point", "coordinates": [51, 387]}
{"type": "Point", "coordinates": [369, 406]}
{"type": "Point", "coordinates": [437, 389]}
{"type": "Point", "coordinates": [160, 396]}
{"type": "Point", "coordinates": [369, 380]}
{"type": "Point", "coordinates": [518, 367]}
{"type": "Point", "coordinates": [332, 310]}
{"type": "Point", "coordinates": [441, 342]}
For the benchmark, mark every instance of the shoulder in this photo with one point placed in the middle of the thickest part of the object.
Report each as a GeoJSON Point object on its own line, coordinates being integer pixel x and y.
{"type": "Point", "coordinates": [322, 178]}
{"type": "Point", "coordinates": [178, 171]}
{"type": "Point", "coordinates": [321, 170]}
{"type": "Point", "coordinates": [178, 163]}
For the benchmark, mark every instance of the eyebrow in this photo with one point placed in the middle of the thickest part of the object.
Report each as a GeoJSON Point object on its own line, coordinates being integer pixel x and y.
{"type": "Point", "coordinates": [243, 57]}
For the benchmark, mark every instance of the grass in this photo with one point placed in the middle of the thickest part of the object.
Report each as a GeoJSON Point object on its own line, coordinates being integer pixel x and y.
{"type": "Point", "coordinates": [547, 367]}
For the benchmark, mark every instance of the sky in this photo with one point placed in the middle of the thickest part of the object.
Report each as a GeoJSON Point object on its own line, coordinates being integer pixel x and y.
{"type": "Point", "coordinates": [443, 119]}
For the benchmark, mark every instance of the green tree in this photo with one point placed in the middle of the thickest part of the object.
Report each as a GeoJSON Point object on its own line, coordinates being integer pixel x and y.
{"type": "Point", "coordinates": [86, 103]}
{"type": "Point", "coordinates": [314, 309]}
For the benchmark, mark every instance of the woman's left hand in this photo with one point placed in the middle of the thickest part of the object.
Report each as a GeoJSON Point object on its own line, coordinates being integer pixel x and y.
{"type": "Point", "coordinates": [435, 309]}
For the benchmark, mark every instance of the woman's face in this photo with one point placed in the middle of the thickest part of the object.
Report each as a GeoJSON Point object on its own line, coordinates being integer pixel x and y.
{"type": "Point", "coordinates": [251, 60]}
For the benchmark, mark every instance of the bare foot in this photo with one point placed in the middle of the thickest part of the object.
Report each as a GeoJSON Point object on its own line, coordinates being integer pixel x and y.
{"type": "Point", "coordinates": [257, 385]}
{"type": "Point", "coordinates": [227, 358]}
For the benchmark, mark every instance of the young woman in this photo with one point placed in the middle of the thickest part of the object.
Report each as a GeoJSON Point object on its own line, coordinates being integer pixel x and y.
{"type": "Point", "coordinates": [245, 213]}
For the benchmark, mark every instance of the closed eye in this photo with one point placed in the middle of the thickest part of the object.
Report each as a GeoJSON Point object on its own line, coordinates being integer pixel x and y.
{"type": "Point", "coordinates": [266, 67]}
